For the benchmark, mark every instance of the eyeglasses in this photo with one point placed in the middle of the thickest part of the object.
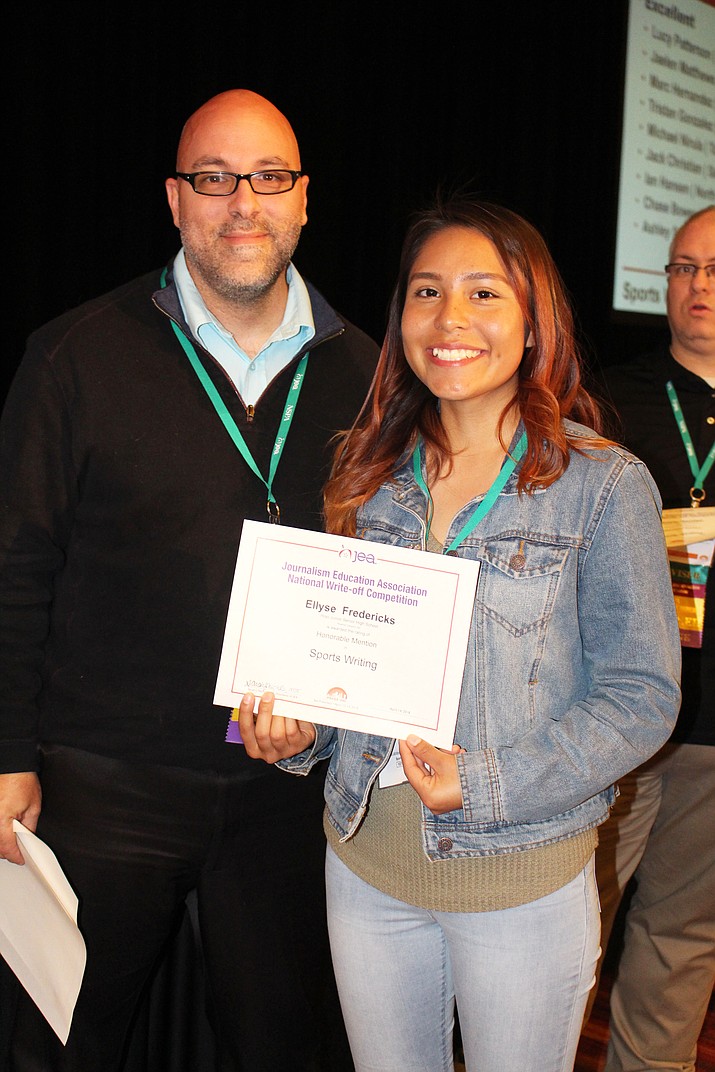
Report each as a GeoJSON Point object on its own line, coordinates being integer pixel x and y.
{"type": "Point", "coordinates": [225, 183]}
{"type": "Point", "coordinates": [689, 271]}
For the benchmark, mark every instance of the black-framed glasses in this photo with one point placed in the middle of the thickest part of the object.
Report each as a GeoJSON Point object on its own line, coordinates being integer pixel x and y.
{"type": "Point", "coordinates": [689, 271]}
{"type": "Point", "coordinates": [225, 183]}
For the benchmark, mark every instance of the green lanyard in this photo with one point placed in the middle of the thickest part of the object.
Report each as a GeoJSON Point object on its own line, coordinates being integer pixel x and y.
{"type": "Point", "coordinates": [274, 514]}
{"type": "Point", "coordinates": [510, 464]}
{"type": "Point", "coordinates": [699, 471]}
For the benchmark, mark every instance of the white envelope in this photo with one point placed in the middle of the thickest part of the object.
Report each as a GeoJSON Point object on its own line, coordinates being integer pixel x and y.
{"type": "Point", "coordinates": [39, 936]}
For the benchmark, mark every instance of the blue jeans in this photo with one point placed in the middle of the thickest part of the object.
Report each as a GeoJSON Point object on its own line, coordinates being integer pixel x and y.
{"type": "Point", "coordinates": [520, 977]}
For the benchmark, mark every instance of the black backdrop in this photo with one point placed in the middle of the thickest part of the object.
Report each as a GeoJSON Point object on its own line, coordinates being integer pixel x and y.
{"type": "Point", "coordinates": [517, 100]}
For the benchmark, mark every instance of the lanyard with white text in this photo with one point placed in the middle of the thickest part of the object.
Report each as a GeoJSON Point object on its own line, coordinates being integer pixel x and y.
{"type": "Point", "coordinates": [274, 514]}
{"type": "Point", "coordinates": [699, 471]}
{"type": "Point", "coordinates": [510, 464]}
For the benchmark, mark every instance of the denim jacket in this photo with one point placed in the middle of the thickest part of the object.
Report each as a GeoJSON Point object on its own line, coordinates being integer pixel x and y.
{"type": "Point", "coordinates": [573, 663]}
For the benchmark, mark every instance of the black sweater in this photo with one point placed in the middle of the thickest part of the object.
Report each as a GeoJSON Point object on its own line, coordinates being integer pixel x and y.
{"type": "Point", "coordinates": [122, 499]}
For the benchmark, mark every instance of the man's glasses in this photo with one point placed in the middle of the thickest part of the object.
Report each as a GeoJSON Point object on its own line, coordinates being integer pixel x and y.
{"type": "Point", "coordinates": [689, 271]}
{"type": "Point", "coordinates": [225, 183]}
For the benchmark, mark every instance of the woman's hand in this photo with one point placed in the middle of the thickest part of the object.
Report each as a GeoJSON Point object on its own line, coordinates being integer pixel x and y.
{"type": "Point", "coordinates": [433, 774]}
{"type": "Point", "coordinates": [268, 736]}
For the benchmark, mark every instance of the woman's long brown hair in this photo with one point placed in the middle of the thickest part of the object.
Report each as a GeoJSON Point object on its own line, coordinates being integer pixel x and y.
{"type": "Point", "coordinates": [399, 407]}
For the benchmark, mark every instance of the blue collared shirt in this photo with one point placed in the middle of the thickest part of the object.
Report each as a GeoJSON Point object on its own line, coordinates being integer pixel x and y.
{"type": "Point", "coordinates": [250, 376]}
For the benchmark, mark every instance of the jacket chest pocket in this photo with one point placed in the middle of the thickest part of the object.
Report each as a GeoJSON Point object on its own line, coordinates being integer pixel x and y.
{"type": "Point", "coordinates": [518, 582]}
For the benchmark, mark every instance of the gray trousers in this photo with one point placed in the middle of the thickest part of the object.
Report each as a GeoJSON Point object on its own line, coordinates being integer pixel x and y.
{"type": "Point", "coordinates": [662, 830]}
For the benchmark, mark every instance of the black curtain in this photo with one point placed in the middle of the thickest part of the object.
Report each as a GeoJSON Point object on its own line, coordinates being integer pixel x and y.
{"type": "Point", "coordinates": [517, 101]}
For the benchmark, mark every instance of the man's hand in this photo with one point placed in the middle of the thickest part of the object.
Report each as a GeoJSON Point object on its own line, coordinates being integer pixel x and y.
{"type": "Point", "coordinates": [271, 737]}
{"type": "Point", "coordinates": [20, 798]}
{"type": "Point", "coordinates": [433, 774]}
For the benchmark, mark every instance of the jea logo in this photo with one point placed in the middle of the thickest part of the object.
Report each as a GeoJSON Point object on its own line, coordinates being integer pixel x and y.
{"type": "Point", "coordinates": [356, 556]}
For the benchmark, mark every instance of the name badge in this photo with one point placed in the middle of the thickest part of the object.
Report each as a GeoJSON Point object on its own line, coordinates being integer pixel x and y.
{"type": "Point", "coordinates": [690, 540]}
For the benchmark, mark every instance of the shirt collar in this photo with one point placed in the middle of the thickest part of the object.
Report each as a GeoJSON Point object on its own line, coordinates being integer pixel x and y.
{"type": "Point", "coordinates": [298, 315]}
{"type": "Point", "coordinates": [683, 377]}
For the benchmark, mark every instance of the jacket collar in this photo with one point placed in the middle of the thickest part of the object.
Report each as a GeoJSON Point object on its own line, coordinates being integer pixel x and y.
{"type": "Point", "coordinates": [327, 322]}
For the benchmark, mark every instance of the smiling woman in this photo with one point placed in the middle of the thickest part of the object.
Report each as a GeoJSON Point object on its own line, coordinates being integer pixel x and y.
{"type": "Point", "coordinates": [463, 330]}
{"type": "Point", "coordinates": [477, 278]}
{"type": "Point", "coordinates": [470, 882]}
{"type": "Point", "coordinates": [464, 335]}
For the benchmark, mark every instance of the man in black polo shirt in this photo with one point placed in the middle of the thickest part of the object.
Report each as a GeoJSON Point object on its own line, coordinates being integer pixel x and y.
{"type": "Point", "coordinates": [662, 829]}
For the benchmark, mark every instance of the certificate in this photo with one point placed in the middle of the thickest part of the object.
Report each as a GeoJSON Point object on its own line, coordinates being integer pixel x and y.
{"type": "Point", "coordinates": [348, 632]}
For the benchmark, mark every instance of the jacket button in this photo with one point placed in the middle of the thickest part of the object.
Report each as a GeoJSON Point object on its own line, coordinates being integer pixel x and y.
{"type": "Point", "coordinates": [445, 844]}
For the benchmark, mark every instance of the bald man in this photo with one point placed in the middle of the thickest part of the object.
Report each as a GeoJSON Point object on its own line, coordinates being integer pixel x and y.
{"type": "Point", "coordinates": [140, 430]}
{"type": "Point", "coordinates": [662, 828]}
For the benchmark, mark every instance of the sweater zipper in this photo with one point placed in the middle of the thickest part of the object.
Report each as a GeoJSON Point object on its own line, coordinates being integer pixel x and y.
{"type": "Point", "coordinates": [249, 408]}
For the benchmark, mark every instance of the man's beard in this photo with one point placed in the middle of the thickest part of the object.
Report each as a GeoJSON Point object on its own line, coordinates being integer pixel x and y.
{"type": "Point", "coordinates": [242, 283]}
